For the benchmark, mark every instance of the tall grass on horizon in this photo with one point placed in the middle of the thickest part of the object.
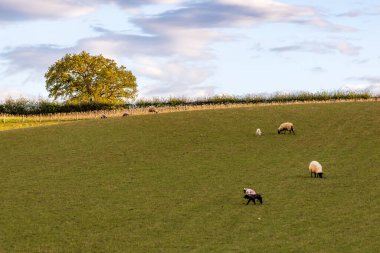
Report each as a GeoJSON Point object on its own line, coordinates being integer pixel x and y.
{"type": "Point", "coordinates": [277, 97]}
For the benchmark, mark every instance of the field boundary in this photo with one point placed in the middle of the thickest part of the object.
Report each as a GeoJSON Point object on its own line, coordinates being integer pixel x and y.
{"type": "Point", "coordinates": [73, 116]}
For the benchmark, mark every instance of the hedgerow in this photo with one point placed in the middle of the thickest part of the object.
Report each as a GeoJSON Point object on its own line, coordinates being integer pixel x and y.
{"type": "Point", "coordinates": [24, 106]}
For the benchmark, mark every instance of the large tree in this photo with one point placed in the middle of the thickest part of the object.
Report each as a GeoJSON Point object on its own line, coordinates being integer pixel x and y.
{"type": "Point", "coordinates": [85, 78]}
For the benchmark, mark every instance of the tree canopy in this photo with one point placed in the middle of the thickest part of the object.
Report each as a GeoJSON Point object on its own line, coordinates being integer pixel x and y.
{"type": "Point", "coordinates": [85, 78]}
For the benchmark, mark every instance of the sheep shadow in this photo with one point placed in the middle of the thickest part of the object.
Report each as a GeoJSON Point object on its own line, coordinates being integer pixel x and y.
{"type": "Point", "coordinates": [309, 177]}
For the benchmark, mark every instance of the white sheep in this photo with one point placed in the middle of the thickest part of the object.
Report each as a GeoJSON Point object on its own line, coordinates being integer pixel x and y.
{"type": "Point", "coordinates": [287, 126]}
{"type": "Point", "coordinates": [258, 132]}
{"type": "Point", "coordinates": [249, 191]}
{"type": "Point", "coordinates": [315, 169]}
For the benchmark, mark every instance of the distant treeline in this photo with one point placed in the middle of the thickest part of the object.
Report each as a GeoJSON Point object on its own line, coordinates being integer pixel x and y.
{"type": "Point", "coordinates": [24, 106]}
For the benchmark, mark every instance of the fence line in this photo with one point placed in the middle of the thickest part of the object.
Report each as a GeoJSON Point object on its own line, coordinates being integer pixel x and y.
{"type": "Point", "coordinates": [144, 111]}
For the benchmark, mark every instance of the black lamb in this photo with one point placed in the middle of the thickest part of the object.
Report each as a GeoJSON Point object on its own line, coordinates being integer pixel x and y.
{"type": "Point", "coordinates": [253, 198]}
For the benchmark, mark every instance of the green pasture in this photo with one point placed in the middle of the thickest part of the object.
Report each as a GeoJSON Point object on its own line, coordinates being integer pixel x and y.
{"type": "Point", "coordinates": [174, 182]}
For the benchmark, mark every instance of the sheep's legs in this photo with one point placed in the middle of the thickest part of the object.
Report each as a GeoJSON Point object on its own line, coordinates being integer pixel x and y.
{"type": "Point", "coordinates": [253, 200]}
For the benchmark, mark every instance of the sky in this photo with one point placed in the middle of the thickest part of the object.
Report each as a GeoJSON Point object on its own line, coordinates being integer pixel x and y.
{"type": "Point", "coordinates": [197, 48]}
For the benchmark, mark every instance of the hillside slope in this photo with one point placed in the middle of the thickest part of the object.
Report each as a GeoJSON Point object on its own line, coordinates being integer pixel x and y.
{"type": "Point", "coordinates": [173, 182]}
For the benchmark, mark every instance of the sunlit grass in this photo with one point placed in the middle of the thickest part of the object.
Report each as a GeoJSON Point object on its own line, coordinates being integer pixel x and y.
{"type": "Point", "coordinates": [16, 124]}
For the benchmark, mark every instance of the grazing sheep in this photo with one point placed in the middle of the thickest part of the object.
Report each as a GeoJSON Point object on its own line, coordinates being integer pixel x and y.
{"type": "Point", "coordinates": [315, 169]}
{"type": "Point", "coordinates": [287, 126]}
{"type": "Point", "coordinates": [152, 109]}
{"type": "Point", "coordinates": [125, 114]}
{"type": "Point", "coordinates": [103, 116]}
{"type": "Point", "coordinates": [258, 132]}
{"type": "Point", "coordinates": [251, 195]}
{"type": "Point", "coordinates": [253, 198]}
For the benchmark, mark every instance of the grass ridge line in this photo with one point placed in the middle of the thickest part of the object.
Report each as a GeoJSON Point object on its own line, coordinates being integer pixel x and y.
{"type": "Point", "coordinates": [72, 116]}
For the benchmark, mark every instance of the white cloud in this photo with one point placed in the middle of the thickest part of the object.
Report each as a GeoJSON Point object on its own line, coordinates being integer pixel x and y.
{"type": "Point", "coordinates": [143, 2]}
{"type": "Point", "coordinates": [374, 11]}
{"type": "Point", "coordinates": [16, 10]}
{"type": "Point", "coordinates": [150, 68]}
{"type": "Point", "coordinates": [341, 47]}
{"type": "Point", "coordinates": [36, 58]}
{"type": "Point", "coordinates": [173, 78]}
{"type": "Point", "coordinates": [364, 83]}
{"type": "Point", "coordinates": [10, 93]}
{"type": "Point", "coordinates": [275, 10]}
{"type": "Point", "coordinates": [236, 13]}
{"type": "Point", "coordinates": [25, 9]}
{"type": "Point", "coordinates": [373, 88]}
{"type": "Point", "coordinates": [318, 70]}
{"type": "Point", "coordinates": [187, 14]}
{"type": "Point", "coordinates": [192, 43]}
{"type": "Point", "coordinates": [345, 48]}
{"type": "Point", "coordinates": [186, 43]}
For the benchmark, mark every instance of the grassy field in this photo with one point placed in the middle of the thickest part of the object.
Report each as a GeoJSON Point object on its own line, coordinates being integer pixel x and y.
{"type": "Point", "coordinates": [173, 182]}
